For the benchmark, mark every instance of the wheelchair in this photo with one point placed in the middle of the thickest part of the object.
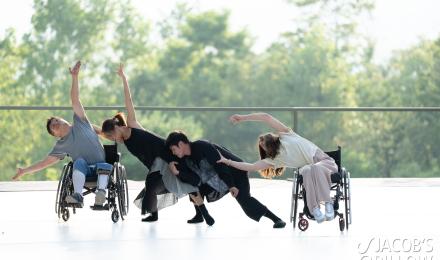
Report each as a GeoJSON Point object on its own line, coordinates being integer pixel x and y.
{"type": "Point", "coordinates": [117, 188]}
{"type": "Point", "coordinates": [340, 192]}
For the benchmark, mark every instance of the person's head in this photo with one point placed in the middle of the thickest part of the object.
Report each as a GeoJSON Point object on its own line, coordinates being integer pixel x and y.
{"type": "Point", "coordinates": [57, 126]}
{"type": "Point", "coordinates": [269, 147]}
{"type": "Point", "coordinates": [112, 127]}
{"type": "Point", "coordinates": [178, 143]}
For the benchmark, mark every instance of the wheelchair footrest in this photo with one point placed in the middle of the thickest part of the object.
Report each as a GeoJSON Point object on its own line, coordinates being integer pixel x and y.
{"type": "Point", "coordinates": [75, 205]}
{"type": "Point", "coordinates": [100, 207]}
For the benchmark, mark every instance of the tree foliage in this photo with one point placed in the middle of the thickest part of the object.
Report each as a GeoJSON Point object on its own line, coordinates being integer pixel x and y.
{"type": "Point", "coordinates": [200, 61]}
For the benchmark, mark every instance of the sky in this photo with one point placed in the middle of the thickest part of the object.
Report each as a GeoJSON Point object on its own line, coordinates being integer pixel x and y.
{"type": "Point", "coordinates": [393, 25]}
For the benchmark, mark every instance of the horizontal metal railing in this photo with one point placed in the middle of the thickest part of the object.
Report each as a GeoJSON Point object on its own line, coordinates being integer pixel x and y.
{"type": "Point", "coordinates": [205, 109]}
{"type": "Point", "coordinates": [293, 110]}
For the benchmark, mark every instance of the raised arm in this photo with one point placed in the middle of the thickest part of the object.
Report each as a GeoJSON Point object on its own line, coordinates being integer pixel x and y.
{"type": "Point", "coordinates": [48, 161]}
{"type": "Point", "coordinates": [78, 109]}
{"type": "Point", "coordinates": [131, 113]}
{"type": "Point", "coordinates": [263, 117]}
{"type": "Point", "coordinates": [98, 130]}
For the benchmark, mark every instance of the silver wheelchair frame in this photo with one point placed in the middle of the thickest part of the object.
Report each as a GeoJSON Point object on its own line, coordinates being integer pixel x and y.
{"type": "Point", "coordinates": [117, 195]}
{"type": "Point", "coordinates": [340, 188]}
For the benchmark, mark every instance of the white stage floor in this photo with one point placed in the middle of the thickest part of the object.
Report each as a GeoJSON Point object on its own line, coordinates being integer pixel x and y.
{"type": "Point", "coordinates": [392, 218]}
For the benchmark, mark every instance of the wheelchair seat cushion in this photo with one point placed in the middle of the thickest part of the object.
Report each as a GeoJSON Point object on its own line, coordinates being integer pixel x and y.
{"type": "Point", "coordinates": [92, 178]}
{"type": "Point", "coordinates": [103, 168]}
{"type": "Point", "coordinates": [335, 178]}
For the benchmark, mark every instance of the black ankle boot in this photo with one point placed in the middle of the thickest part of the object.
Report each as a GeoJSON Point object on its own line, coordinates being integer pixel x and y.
{"type": "Point", "coordinates": [279, 224]}
{"type": "Point", "coordinates": [154, 216]}
{"type": "Point", "coordinates": [198, 218]}
{"type": "Point", "coordinates": [209, 220]}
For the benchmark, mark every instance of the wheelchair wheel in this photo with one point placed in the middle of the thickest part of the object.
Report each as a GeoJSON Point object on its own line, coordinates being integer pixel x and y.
{"type": "Point", "coordinates": [341, 224]}
{"type": "Point", "coordinates": [123, 201]}
{"type": "Point", "coordinates": [294, 199]}
{"type": "Point", "coordinates": [66, 214]}
{"type": "Point", "coordinates": [57, 199]}
{"type": "Point", "coordinates": [121, 190]}
{"type": "Point", "coordinates": [303, 224]}
{"type": "Point", "coordinates": [115, 216]}
{"type": "Point", "coordinates": [347, 197]}
{"type": "Point", "coordinates": [64, 189]}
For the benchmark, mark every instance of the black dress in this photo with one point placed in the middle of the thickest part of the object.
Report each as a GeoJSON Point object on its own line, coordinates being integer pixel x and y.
{"type": "Point", "coordinates": [148, 147]}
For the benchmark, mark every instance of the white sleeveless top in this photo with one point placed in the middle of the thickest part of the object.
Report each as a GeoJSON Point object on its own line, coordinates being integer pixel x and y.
{"type": "Point", "coordinates": [295, 151]}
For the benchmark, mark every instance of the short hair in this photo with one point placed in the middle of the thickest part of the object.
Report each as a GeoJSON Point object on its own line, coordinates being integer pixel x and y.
{"type": "Point", "coordinates": [49, 121]}
{"type": "Point", "coordinates": [175, 137]}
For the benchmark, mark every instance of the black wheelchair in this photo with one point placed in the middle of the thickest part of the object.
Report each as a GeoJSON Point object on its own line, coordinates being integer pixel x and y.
{"type": "Point", "coordinates": [117, 188]}
{"type": "Point", "coordinates": [340, 191]}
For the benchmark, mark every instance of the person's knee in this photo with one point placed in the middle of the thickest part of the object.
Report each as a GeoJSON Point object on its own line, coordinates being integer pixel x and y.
{"type": "Point", "coordinates": [79, 164]}
{"type": "Point", "coordinates": [305, 170]}
{"type": "Point", "coordinates": [243, 198]}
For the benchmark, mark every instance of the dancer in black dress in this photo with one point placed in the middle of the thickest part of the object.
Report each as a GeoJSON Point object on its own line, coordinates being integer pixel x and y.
{"type": "Point", "coordinates": [162, 188]}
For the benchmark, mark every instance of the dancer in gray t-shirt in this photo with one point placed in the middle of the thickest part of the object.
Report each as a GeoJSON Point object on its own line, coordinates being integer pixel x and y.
{"type": "Point", "coordinates": [79, 141]}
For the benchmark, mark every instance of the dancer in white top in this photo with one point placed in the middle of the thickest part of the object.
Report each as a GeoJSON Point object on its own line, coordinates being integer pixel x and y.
{"type": "Point", "coordinates": [286, 148]}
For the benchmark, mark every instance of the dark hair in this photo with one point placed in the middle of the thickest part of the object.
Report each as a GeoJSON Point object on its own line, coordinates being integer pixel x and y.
{"type": "Point", "coordinates": [175, 137]}
{"type": "Point", "coordinates": [49, 121]}
{"type": "Point", "coordinates": [109, 124]}
{"type": "Point", "coordinates": [272, 143]}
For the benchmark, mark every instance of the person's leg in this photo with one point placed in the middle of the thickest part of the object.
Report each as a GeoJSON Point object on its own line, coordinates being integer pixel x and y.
{"type": "Point", "coordinates": [80, 170]}
{"type": "Point", "coordinates": [197, 199]}
{"type": "Point", "coordinates": [309, 185]}
{"type": "Point", "coordinates": [317, 183]}
{"type": "Point", "coordinates": [102, 170]}
{"type": "Point", "coordinates": [153, 187]}
{"type": "Point", "coordinates": [322, 170]}
{"type": "Point", "coordinates": [198, 218]}
{"type": "Point", "coordinates": [251, 206]}
{"type": "Point", "coordinates": [103, 174]}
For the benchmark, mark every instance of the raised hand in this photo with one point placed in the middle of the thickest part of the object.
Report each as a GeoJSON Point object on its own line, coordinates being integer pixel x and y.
{"type": "Point", "coordinates": [19, 174]}
{"type": "Point", "coordinates": [75, 70]}
{"type": "Point", "coordinates": [236, 118]}
{"type": "Point", "coordinates": [120, 70]}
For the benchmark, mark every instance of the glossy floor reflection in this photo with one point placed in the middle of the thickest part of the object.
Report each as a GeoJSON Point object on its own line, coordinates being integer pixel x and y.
{"type": "Point", "coordinates": [391, 218]}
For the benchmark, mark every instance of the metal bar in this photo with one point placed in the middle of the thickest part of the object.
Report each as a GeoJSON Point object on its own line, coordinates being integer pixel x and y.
{"type": "Point", "coordinates": [205, 109]}
{"type": "Point", "coordinates": [295, 121]}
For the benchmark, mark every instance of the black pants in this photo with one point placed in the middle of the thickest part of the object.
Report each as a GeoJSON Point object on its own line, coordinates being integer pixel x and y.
{"type": "Point", "coordinates": [153, 186]}
{"type": "Point", "coordinates": [251, 206]}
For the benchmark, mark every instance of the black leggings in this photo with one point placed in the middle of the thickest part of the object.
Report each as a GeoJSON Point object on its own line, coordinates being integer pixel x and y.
{"type": "Point", "coordinates": [251, 206]}
{"type": "Point", "coordinates": [153, 186]}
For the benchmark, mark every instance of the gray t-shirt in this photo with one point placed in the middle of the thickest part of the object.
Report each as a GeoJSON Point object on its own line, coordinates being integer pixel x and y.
{"type": "Point", "coordinates": [82, 141]}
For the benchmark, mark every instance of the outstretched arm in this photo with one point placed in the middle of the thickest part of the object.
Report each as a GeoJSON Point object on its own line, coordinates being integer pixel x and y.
{"type": "Point", "coordinates": [131, 113]}
{"type": "Point", "coordinates": [48, 161]}
{"type": "Point", "coordinates": [263, 117]}
{"type": "Point", "coordinates": [78, 109]}
{"type": "Point", "coordinates": [244, 166]}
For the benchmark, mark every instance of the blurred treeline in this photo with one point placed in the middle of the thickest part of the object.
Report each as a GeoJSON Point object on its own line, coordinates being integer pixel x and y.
{"type": "Point", "coordinates": [194, 59]}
